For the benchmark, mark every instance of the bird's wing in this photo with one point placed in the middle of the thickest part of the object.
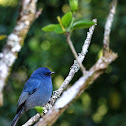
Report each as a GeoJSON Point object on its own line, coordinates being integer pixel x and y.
{"type": "Point", "coordinates": [30, 87]}
{"type": "Point", "coordinates": [23, 97]}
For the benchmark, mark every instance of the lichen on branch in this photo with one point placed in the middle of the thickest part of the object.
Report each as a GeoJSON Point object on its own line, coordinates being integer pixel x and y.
{"type": "Point", "coordinates": [15, 41]}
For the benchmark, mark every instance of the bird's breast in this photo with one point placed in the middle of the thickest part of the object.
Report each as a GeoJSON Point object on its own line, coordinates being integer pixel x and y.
{"type": "Point", "coordinates": [40, 97]}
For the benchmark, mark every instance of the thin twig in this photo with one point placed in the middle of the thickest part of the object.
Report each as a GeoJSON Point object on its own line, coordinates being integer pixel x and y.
{"type": "Point", "coordinates": [108, 26]}
{"type": "Point", "coordinates": [38, 13]}
{"type": "Point", "coordinates": [83, 70]}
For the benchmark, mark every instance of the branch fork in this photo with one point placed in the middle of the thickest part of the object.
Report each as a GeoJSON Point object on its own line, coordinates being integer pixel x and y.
{"type": "Point", "coordinates": [91, 75]}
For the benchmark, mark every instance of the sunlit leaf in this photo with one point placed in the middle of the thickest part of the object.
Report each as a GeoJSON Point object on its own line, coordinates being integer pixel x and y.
{"type": "Point", "coordinates": [53, 28]}
{"type": "Point", "coordinates": [66, 19]}
{"type": "Point", "coordinates": [82, 24]}
{"type": "Point", "coordinates": [2, 37]}
{"type": "Point", "coordinates": [73, 4]}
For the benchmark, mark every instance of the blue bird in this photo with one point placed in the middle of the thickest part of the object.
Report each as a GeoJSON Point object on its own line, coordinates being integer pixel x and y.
{"type": "Point", "coordinates": [36, 92]}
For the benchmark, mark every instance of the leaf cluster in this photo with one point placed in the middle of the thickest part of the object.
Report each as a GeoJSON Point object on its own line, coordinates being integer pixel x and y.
{"type": "Point", "coordinates": [68, 22]}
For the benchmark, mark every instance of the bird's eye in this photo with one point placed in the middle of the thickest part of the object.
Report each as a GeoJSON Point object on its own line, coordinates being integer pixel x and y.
{"type": "Point", "coordinates": [47, 74]}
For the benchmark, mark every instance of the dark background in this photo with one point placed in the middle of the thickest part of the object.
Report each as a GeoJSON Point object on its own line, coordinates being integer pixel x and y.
{"type": "Point", "coordinates": [103, 103]}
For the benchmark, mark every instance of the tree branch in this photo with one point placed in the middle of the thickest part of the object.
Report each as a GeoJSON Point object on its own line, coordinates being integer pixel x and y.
{"type": "Point", "coordinates": [108, 26]}
{"type": "Point", "coordinates": [77, 89]}
{"type": "Point", "coordinates": [74, 69]}
{"type": "Point", "coordinates": [74, 52]}
{"type": "Point", "coordinates": [81, 84]}
{"type": "Point", "coordinates": [15, 41]}
{"type": "Point", "coordinates": [32, 120]}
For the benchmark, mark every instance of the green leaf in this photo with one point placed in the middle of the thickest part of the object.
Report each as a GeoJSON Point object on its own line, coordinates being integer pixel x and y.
{"type": "Point", "coordinates": [73, 4]}
{"type": "Point", "coordinates": [53, 28]}
{"type": "Point", "coordinates": [39, 109]}
{"type": "Point", "coordinates": [82, 24]}
{"type": "Point", "coordinates": [66, 19]}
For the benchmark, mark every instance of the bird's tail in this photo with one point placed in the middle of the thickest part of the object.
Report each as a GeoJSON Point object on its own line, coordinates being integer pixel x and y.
{"type": "Point", "coordinates": [17, 117]}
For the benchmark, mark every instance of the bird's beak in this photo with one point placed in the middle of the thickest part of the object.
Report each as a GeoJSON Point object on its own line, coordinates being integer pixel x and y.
{"type": "Point", "coordinates": [52, 72]}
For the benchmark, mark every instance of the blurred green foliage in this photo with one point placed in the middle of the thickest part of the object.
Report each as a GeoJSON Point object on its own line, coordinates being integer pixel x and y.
{"type": "Point", "coordinates": [103, 103]}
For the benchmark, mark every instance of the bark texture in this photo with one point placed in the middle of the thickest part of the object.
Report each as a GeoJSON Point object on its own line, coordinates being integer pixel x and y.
{"type": "Point", "coordinates": [15, 41]}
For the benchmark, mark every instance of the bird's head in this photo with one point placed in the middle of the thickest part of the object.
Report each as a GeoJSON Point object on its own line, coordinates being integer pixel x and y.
{"type": "Point", "coordinates": [42, 72]}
